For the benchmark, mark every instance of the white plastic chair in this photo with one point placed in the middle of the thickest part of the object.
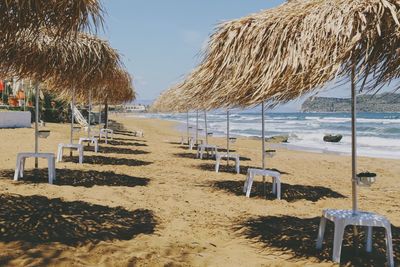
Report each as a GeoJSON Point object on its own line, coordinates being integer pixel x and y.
{"type": "Point", "coordinates": [78, 147]}
{"type": "Point", "coordinates": [219, 156]}
{"type": "Point", "coordinates": [20, 166]}
{"type": "Point", "coordinates": [276, 181]}
{"type": "Point", "coordinates": [342, 218]}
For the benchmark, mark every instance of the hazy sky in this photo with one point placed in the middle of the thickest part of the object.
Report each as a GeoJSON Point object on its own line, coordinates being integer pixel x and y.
{"type": "Point", "coordinates": [160, 40]}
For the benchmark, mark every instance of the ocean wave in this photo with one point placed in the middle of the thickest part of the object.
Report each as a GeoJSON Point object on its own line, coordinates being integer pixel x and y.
{"type": "Point", "coordinates": [378, 134]}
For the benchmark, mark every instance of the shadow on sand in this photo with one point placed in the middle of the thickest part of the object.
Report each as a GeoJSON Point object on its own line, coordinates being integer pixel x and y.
{"type": "Point", "coordinates": [117, 150]}
{"type": "Point", "coordinates": [128, 139]}
{"type": "Point", "coordinates": [231, 168]}
{"type": "Point", "coordinates": [124, 143]}
{"type": "Point", "coordinates": [100, 160]}
{"type": "Point", "coordinates": [125, 133]}
{"type": "Point", "coordinates": [298, 236]}
{"type": "Point", "coordinates": [79, 178]}
{"type": "Point", "coordinates": [177, 143]}
{"type": "Point", "coordinates": [290, 193]}
{"type": "Point", "coordinates": [38, 219]}
{"type": "Point", "coordinates": [186, 155]}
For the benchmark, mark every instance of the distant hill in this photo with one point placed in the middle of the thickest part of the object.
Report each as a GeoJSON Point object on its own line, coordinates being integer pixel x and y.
{"type": "Point", "coordinates": [388, 102]}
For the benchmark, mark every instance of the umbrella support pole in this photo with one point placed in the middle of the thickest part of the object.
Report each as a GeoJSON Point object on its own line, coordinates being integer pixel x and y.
{"type": "Point", "coordinates": [99, 117]}
{"type": "Point", "coordinates": [263, 145]}
{"type": "Point", "coordinates": [72, 121]}
{"type": "Point", "coordinates": [227, 137]}
{"type": "Point", "coordinates": [205, 127]}
{"type": "Point", "coordinates": [187, 127]}
{"type": "Point", "coordinates": [108, 110]}
{"type": "Point", "coordinates": [354, 151]}
{"type": "Point", "coordinates": [89, 115]}
{"type": "Point", "coordinates": [90, 111]}
{"type": "Point", "coordinates": [36, 124]}
{"type": "Point", "coordinates": [197, 128]}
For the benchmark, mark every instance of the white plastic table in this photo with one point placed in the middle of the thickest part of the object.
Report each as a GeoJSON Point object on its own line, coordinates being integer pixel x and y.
{"type": "Point", "coordinates": [342, 218]}
{"type": "Point", "coordinates": [92, 140]}
{"type": "Point", "coordinates": [206, 147]}
{"type": "Point", "coordinates": [191, 143]}
{"type": "Point", "coordinates": [78, 147]}
{"type": "Point", "coordinates": [20, 167]}
{"type": "Point", "coordinates": [139, 133]}
{"type": "Point", "coordinates": [219, 156]}
{"type": "Point", "coordinates": [183, 138]}
{"type": "Point", "coordinates": [276, 181]}
{"type": "Point", "coordinates": [104, 133]}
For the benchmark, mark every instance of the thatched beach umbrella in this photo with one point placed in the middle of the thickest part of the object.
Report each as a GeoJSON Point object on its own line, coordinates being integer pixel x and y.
{"type": "Point", "coordinates": [172, 100]}
{"type": "Point", "coordinates": [62, 17]}
{"type": "Point", "coordinates": [116, 89]}
{"type": "Point", "coordinates": [77, 64]}
{"type": "Point", "coordinates": [283, 53]}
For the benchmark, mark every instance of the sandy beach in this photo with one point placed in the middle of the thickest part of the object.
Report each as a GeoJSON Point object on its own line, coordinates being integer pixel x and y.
{"type": "Point", "coordinates": [147, 201]}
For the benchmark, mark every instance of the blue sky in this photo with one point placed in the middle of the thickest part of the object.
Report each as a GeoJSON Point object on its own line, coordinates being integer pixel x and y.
{"type": "Point", "coordinates": [160, 40]}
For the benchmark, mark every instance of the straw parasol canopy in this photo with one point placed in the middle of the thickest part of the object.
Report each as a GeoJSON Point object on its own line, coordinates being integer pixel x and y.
{"type": "Point", "coordinates": [61, 16]}
{"type": "Point", "coordinates": [117, 89]}
{"type": "Point", "coordinates": [283, 53]}
{"type": "Point", "coordinates": [170, 101]}
{"type": "Point", "coordinates": [81, 64]}
{"type": "Point", "coordinates": [175, 100]}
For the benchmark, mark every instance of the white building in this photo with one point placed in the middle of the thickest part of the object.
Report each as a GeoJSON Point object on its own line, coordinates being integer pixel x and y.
{"type": "Point", "coordinates": [135, 108]}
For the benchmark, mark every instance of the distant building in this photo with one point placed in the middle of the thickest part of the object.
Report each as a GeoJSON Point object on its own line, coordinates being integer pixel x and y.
{"type": "Point", "coordinates": [135, 108]}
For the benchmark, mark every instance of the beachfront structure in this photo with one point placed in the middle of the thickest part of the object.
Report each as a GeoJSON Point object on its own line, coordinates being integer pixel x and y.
{"type": "Point", "coordinates": [134, 108]}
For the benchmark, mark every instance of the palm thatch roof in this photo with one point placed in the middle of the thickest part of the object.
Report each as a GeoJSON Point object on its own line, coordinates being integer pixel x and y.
{"type": "Point", "coordinates": [84, 63]}
{"type": "Point", "coordinates": [117, 90]}
{"type": "Point", "coordinates": [171, 101]}
{"type": "Point", "coordinates": [283, 53]}
{"type": "Point", "coordinates": [60, 16]}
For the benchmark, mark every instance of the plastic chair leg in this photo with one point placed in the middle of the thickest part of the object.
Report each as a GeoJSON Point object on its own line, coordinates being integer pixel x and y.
{"type": "Point", "coordinates": [368, 239]}
{"type": "Point", "coordinates": [217, 165]}
{"type": "Point", "coordinates": [278, 188]}
{"type": "Point", "coordinates": [17, 169]}
{"type": "Point", "coordinates": [50, 170]}
{"type": "Point", "coordinates": [249, 185]}
{"type": "Point", "coordinates": [338, 240]}
{"type": "Point", "coordinates": [321, 232]}
{"type": "Point", "coordinates": [389, 246]}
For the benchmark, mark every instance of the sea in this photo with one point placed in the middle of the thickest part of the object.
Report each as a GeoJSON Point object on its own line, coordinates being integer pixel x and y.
{"type": "Point", "coordinates": [378, 134]}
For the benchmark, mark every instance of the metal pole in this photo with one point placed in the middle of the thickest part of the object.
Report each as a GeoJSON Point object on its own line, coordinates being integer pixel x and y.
{"type": "Point", "coordinates": [90, 111]}
{"type": "Point", "coordinates": [105, 115]}
{"type": "Point", "coordinates": [197, 127]}
{"type": "Point", "coordinates": [205, 126]}
{"type": "Point", "coordinates": [227, 137]}
{"type": "Point", "coordinates": [107, 110]}
{"type": "Point", "coordinates": [24, 94]}
{"type": "Point", "coordinates": [354, 140]}
{"type": "Point", "coordinates": [72, 120]}
{"type": "Point", "coordinates": [187, 126]}
{"type": "Point", "coordinates": [354, 151]}
{"type": "Point", "coordinates": [36, 123]}
{"type": "Point", "coordinates": [263, 144]}
{"type": "Point", "coordinates": [100, 117]}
